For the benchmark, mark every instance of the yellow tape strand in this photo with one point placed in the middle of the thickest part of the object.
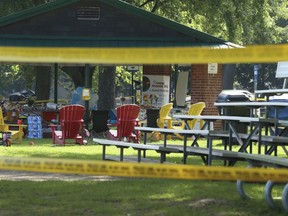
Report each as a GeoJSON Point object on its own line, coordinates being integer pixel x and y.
{"type": "Point", "coordinates": [143, 170]}
{"type": "Point", "coordinates": [174, 55]}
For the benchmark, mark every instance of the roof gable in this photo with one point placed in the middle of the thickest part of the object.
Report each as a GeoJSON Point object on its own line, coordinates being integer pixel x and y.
{"type": "Point", "coordinates": [120, 24]}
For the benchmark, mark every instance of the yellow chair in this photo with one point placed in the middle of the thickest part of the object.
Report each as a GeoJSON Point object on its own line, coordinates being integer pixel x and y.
{"type": "Point", "coordinates": [195, 109]}
{"type": "Point", "coordinates": [164, 120]}
{"type": "Point", "coordinates": [15, 133]}
{"type": "Point", "coordinates": [164, 117]}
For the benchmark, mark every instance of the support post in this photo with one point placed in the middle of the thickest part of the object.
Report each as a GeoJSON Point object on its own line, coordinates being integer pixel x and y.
{"type": "Point", "coordinates": [55, 83]}
{"type": "Point", "coordinates": [175, 83]}
{"type": "Point", "coordinates": [86, 116]}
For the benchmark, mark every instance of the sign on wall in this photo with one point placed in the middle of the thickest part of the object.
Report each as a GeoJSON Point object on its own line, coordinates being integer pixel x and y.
{"type": "Point", "coordinates": [212, 68]}
{"type": "Point", "coordinates": [155, 90]}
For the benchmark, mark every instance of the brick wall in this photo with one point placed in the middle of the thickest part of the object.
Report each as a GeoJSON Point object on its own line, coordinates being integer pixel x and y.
{"type": "Point", "coordinates": [206, 87]}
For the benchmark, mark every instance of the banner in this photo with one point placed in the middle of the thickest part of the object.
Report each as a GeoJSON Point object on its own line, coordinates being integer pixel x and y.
{"type": "Point", "coordinates": [156, 90]}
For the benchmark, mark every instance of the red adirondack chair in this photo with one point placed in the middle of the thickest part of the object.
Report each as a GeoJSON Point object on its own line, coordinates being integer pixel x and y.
{"type": "Point", "coordinates": [126, 120]}
{"type": "Point", "coordinates": [72, 125]}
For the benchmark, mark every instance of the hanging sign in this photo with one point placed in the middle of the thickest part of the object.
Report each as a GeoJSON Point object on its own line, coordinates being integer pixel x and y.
{"type": "Point", "coordinates": [86, 94]}
{"type": "Point", "coordinates": [132, 68]}
{"type": "Point", "coordinates": [155, 90]}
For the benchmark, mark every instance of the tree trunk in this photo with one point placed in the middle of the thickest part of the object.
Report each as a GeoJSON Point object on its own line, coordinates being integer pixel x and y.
{"type": "Point", "coordinates": [106, 88]}
{"type": "Point", "coordinates": [229, 71]}
{"type": "Point", "coordinates": [43, 82]}
{"type": "Point", "coordinates": [77, 74]}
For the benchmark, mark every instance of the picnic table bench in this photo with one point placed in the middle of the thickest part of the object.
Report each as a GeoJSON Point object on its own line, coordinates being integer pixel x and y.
{"type": "Point", "coordinates": [183, 133]}
{"type": "Point", "coordinates": [257, 160]}
{"type": "Point", "coordinates": [205, 154]}
{"type": "Point", "coordinates": [139, 147]}
{"type": "Point", "coordinates": [267, 140]}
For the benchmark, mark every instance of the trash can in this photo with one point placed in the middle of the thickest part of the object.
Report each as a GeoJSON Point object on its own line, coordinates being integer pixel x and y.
{"type": "Point", "coordinates": [152, 116]}
{"type": "Point", "coordinates": [236, 96]}
{"type": "Point", "coordinates": [283, 112]}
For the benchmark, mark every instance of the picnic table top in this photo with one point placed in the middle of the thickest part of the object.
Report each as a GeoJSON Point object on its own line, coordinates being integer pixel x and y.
{"type": "Point", "coordinates": [226, 118]}
{"type": "Point", "coordinates": [251, 104]}
{"type": "Point", "coordinates": [172, 131]}
{"type": "Point", "coordinates": [271, 91]}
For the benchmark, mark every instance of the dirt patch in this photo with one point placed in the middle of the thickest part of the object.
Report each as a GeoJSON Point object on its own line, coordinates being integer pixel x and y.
{"type": "Point", "coordinates": [206, 202]}
{"type": "Point", "coordinates": [38, 176]}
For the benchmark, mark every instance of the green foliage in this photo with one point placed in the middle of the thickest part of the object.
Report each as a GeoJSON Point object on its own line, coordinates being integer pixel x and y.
{"type": "Point", "coordinates": [95, 80]}
{"type": "Point", "coordinates": [15, 78]}
{"type": "Point", "coordinates": [123, 80]}
{"type": "Point", "coordinates": [242, 22]}
{"type": "Point", "coordinates": [8, 7]}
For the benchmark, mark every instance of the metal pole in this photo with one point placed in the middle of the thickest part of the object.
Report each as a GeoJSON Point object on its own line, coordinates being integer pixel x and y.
{"type": "Point", "coordinates": [256, 68]}
{"type": "Point", "coordinates": [87, 113]}
{"type": "Point", "coordinates": [175, 83]}
{"type": "Point", "coordinates": [55, 83]}
{"type": "Point", "coordinates": [132, 87]}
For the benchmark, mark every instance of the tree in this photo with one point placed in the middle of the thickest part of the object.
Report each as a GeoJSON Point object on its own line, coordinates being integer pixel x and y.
{"type": "Point", "coordinates": [42, 89]}
{"type": "Point", "coordinates": [106, 87]}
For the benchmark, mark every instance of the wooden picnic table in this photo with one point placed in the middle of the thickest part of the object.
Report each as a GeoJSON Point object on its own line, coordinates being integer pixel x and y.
{"type": "Point", "coordinates": [256, 125]}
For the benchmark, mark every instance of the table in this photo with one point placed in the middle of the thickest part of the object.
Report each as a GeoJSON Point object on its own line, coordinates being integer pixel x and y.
{"type": "Point", "coordinates": [251, 106]}
{"type": "Point", "coordinates": [256, 125]}
{"type": "Point", "coordinates": [270, 92]}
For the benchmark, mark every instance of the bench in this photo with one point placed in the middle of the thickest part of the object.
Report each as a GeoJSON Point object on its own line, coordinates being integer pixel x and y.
{"type": "Point", "coordinates": [139, 147]}
{"type": "Point", "coordinates": [264, 160]}
{"type": "Point", "coordinates": [272, 141]}
{"type": "Point", "coordinates": [218, 154]}
{"type": "Point", "coordinates": [183, 133]}
{"type": "Point", "coordinates": [257, 160]}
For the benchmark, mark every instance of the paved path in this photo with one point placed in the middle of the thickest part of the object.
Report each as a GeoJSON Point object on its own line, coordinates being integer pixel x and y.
{"type": "Point", "coordinates": [35, 176]}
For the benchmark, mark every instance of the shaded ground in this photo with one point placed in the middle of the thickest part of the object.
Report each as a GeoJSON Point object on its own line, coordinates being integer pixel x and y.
{"type": "Point", "coordinates": [35, 176]}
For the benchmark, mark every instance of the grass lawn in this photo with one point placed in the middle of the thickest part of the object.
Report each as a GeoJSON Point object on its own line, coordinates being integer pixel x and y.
{"type": "Point", "coordinates": [127, 196]}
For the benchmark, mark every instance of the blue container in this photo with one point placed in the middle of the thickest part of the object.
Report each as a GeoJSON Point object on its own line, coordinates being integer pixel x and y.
{"type": "Point", "coordinates": [282, 112]}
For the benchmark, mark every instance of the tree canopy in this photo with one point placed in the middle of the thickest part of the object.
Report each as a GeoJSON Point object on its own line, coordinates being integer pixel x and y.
{"type": "Point", "coordinates": [243, 22]}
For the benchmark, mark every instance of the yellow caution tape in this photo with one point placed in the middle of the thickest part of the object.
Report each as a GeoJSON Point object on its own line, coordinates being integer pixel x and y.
{"type": "Point", "coordinates": [143, 170]}
{"type": "Point", "coordinates": [169, 55]}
